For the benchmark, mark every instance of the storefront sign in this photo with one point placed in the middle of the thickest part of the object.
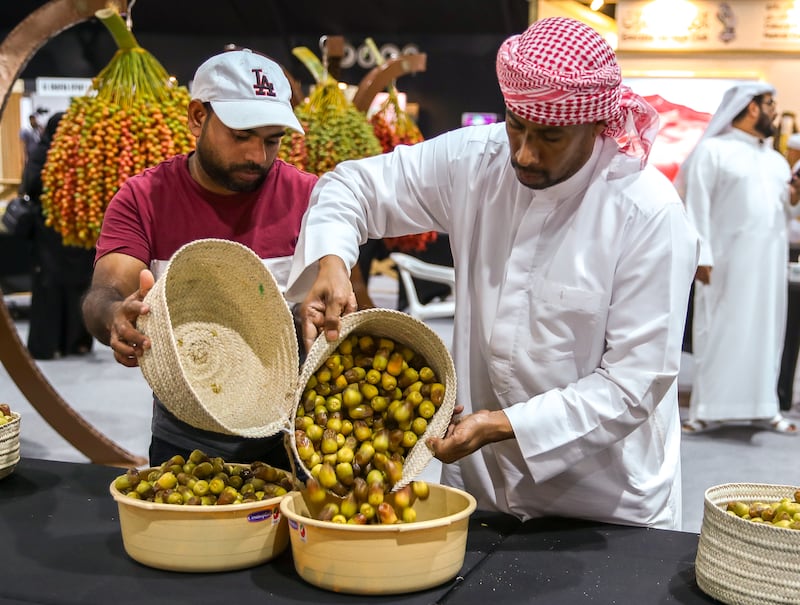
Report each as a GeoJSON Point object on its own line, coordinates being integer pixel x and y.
{"type": "Point", "coordinates": [62, 87]}
{"type": "Point", "coordinates": [703, 25]}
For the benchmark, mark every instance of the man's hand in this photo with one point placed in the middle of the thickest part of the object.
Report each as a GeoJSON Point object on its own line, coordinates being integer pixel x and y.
{"type": "Point", "coordinates": [330, 297]}
{"type": "Point", "coordinates": [703, 274]}
{"type": "Point", "coordinates": [794, 189]}
{"type": "Point", "coordinates": [125, 340]}
{"type": "Point", "coordinates": [470, 433]}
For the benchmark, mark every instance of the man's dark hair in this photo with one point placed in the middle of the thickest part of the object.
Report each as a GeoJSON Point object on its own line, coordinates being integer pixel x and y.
{"type": "Point", "coordinates": [758, 99]}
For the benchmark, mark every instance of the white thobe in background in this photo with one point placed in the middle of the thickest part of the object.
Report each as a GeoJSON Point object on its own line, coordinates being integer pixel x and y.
{"type": "Point", "coordinates": [737, 196]}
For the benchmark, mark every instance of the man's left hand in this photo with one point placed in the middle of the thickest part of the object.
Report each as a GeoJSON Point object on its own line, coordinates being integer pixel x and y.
{"type": "Point", "coordinates": [469, 433]}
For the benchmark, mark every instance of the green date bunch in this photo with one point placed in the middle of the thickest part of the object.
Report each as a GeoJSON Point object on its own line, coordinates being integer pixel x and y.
{"type": "Point", "coordinates": [782, 513]}
{"type": "Point", "coordinates": [204, 481]}
{"type": "Point", "coordinates": [334, 131]}
{"type": "Point", "coordinates": [359, 416]}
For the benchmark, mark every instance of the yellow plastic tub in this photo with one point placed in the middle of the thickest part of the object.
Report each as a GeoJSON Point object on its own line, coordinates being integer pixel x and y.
{"type": "Point", "coordinates": [382, 559]}
{"type": "Point", "coordinates": [176, 537]}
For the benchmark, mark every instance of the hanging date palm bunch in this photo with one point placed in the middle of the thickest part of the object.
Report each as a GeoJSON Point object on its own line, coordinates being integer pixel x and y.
{"type": "Point", "coordinates": [391, 123]}
{"type": "Point", "coordinates": [393, 126]}
{"type": "Point", "coordinates": [132, 117]}
{"type": "Point", "coordinates": [334, 129]}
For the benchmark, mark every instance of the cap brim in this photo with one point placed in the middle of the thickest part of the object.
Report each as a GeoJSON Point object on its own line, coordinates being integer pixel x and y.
{"type": "Point", "coordinates": [245, 115]}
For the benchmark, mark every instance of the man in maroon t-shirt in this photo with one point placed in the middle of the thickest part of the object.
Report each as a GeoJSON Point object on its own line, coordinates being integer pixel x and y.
{"type": "Point", "coordinates": [231, 187]}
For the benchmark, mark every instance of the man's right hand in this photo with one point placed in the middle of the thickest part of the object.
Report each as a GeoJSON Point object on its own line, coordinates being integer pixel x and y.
{"type": "Point", "coordinates": [128, 343]}
{"type": "Point", "coordinates": [703, 274]}
{"type": "Point", "coordinates": [330, 297]}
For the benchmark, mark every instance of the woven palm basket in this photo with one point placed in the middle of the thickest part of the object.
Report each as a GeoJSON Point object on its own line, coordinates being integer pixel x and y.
{"type": "Point", "coordinates": [224, 354]}
{"type": "Point", "coordinates": [744, 563]}
{"type": "Point", "coordinates": [416, 335]}
{"type": "Point", "coordinates": [9, 445]}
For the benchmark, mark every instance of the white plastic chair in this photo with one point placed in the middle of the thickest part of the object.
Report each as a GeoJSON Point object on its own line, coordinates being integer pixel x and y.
{"type": "Point", "coordinates": [409, 267]}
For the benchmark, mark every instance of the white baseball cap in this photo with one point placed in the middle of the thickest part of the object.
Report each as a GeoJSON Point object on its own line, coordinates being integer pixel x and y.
{"type": "Point", "coordinates": [246, 90]}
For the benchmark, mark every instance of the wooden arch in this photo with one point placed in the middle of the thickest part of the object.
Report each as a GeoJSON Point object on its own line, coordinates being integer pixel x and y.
{"type": "Point", "coordinates": [379, 78]}
{"type": "Point", "coordinates": [16, 50]}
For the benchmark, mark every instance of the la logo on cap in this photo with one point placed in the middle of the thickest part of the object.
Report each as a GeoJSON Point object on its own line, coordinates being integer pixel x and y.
{"type": "Point", "coordinates": [246, 90]}
{"type": "Point", "coordinates": [263, 87]}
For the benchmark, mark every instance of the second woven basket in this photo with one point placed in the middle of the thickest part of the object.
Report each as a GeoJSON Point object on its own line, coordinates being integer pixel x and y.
{"type": "Point", "coordinates": [740, 562]}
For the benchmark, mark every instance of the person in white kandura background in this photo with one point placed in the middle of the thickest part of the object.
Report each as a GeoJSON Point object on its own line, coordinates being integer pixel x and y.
{"type": "Point", "coordinates": [791, 342]}
{"type": "Point", "coordinates": [573, 262]}
{"type": "Point", "coordinates": [739, 193]}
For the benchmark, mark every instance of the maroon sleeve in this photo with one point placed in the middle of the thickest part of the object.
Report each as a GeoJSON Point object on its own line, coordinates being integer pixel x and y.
{"type": "Point", "coordinates": [123, 228]}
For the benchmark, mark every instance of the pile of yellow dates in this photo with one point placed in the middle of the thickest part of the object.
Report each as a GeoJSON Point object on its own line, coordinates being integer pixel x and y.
{"type": "Point", "coordinates": [5, 414]}
{"type": "Point", "coordinates": [204, 481]}
{"type": "Point", "coordinates": [360, 414]}
{"type": "Point", "coordinates": [783, 513]}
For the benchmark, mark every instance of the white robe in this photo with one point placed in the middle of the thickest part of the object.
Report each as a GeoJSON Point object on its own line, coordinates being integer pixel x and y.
{"type": "Point", "coordinates": [570, 306]}
{"type": "Point", "coordinates": [737, 196]}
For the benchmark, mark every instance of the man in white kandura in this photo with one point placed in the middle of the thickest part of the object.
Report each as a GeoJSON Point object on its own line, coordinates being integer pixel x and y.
{"type": "Point", "coordinates": [573, 263]}
{"type": "Point", "coordinates": [738, 195]}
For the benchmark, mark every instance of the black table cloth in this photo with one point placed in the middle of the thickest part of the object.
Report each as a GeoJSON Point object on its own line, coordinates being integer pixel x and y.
{"type": "Point", "coordinates": [60, 543]}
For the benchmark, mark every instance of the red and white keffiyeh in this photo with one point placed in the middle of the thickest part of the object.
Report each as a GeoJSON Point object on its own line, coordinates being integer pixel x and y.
{"type": "Point", "coordinates": [561, 72]}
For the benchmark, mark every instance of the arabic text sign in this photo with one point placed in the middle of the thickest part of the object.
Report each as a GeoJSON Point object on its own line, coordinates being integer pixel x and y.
{"type": "Point", "coordinates": [703, 25]}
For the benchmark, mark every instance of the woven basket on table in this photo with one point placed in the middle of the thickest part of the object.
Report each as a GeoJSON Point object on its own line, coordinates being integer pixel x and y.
{"type": "Point", "coordinates": [224, 354]}
{"type": "Point", "coordinates": [9, 445]}
{"type": "Point", "coordinates": [740, 562]}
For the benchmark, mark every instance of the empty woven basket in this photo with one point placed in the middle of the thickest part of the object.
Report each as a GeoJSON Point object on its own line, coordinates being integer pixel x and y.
{"type": "Point", "coordinates": [224, 353]}
{"type": "Point", "coordinates": [740, 562]}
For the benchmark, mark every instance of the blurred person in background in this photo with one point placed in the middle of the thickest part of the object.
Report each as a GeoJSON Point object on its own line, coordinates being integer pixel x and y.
{"type": "Point", "coordinates": [793, 151]}
{"type": "Point", "coordinates": [30, 137]}
{"type": "Point", "coordinates": [231, 187]}
{"type": "Point", "coordinates": [573, 260]}
{"type": "Point", "coordinates": [61, 274]}
{"type": "Point", "coordinates": [737, 192]}
{"type": "Point", "coordinates": [791, 342]}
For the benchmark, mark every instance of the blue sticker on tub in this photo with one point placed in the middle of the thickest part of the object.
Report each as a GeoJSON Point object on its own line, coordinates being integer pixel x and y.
{"type": "Point", "coordinates": [260, 515]}
{"type": "Point", "coordinates": [292, 523]}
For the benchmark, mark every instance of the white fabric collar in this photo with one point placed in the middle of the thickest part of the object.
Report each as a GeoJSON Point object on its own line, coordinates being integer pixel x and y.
{"type": "Point", "coordinates": [746, 137]}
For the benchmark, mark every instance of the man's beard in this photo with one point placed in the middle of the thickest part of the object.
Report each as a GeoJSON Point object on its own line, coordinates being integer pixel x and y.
{"type": "Point", "coordinates": [764, 125]}
{"type": "Point", "coordinates": [224, 177]}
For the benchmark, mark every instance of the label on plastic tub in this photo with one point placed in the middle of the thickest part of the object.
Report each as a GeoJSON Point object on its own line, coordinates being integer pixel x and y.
{"type": "Point", "coordinates": [263, 515]}
{"type": "Point", "coordinates": [298, 527]}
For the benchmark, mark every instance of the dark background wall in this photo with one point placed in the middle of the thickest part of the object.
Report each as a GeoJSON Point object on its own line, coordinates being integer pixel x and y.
{"type": "Point", "coordinates": [460, 40]}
